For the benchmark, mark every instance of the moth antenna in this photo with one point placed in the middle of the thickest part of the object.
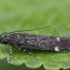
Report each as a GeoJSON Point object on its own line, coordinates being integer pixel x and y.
{"type": "Point", "coordinates": [3, 34]}
{"type": "Point", "coordinates": [29, 30]}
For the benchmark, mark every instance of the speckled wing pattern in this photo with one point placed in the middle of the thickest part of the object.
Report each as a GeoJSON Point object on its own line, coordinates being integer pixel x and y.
{"type": "Point", "coordinates": [39, 42]}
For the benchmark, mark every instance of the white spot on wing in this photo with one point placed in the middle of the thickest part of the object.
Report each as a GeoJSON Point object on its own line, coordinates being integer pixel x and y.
{"type": "Point", "coordinates": [18, 36]}
{"type": "Point", "coordinates": [28, 41]}
{"type": "Point", "coordinates": [39, 44]}
{"type": "Point", "coordinates": [58, 39]}
{"type": "Point", "coordinates": [38, 39]}
{"type": "Point", "coordinates": [56, 49]}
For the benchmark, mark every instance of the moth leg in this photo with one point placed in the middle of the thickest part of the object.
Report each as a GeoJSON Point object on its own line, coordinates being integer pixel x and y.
{"type": "Point", "coordinates": [10, 54]}
{"type": "Point", "coordinates": [31, 53]}
{"type": "Point", "coordinates": [24, 50]}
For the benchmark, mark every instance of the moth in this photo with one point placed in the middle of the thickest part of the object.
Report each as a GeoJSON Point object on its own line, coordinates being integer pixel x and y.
{"type": "Point", "coordinates": [25, 42]}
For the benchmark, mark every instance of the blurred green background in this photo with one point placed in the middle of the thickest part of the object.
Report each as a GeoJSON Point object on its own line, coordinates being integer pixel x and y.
{"type": "Point", "coordinates": [29, 14]}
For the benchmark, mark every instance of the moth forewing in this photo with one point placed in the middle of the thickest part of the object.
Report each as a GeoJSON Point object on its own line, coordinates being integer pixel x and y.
{"type": "Point", "coordinates": [39, 42]}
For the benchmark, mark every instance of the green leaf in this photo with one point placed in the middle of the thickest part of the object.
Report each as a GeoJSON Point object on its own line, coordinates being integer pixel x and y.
{"type": "Point", "coordinates": [25, 14]}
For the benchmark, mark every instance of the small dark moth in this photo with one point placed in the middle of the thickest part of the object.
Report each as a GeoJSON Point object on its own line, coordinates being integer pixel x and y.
{"type": "Point", "coordinates": [27, 42]}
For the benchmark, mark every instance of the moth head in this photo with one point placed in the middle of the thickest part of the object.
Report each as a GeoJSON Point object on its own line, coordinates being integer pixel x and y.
{"type": "Point", "coordinates": [4, 39]}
